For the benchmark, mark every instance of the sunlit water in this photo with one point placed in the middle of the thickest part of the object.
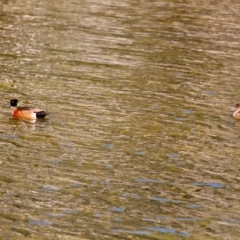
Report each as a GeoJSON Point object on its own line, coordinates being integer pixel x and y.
{"type": "Point", "coordinates": [140, 142]}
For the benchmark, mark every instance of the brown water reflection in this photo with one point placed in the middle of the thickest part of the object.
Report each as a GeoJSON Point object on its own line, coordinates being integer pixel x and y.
{"type": "Point", "coordinates": [140, 142]}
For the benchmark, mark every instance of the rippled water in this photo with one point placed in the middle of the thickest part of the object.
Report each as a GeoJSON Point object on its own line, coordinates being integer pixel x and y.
{"type": "Point", "coordinates": [140, 142]}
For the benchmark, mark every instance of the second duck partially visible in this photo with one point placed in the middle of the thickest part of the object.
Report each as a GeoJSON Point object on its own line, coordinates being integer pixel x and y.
{"type": "Point", "coordinates": [236, 113]}
{"type": "Point", "coordinates": [26, 112]}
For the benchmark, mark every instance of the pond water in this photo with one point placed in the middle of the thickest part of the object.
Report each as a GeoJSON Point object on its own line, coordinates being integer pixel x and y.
{"type": "Point", "coordinates": [140, 143]}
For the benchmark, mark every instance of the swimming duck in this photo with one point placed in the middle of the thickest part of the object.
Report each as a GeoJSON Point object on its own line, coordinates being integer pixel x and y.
{"type": "Point", "coordinates": [236, 113]}
{"type": "Point", "coordinates": [26, 112]}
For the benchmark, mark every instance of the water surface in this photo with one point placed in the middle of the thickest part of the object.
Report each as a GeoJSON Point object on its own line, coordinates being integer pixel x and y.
{"type": "Point", "coordinates": [140, 142]}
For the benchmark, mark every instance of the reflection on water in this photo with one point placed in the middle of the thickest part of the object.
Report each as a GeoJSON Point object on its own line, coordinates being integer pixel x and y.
{"type": "Point", "coordinates": [140, 142]}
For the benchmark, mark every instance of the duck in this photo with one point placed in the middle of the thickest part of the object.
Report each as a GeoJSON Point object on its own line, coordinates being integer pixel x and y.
{"type": "Point", "coordinates": [236, 113]}
{"type": "Point", "coordinates": [26, 112]}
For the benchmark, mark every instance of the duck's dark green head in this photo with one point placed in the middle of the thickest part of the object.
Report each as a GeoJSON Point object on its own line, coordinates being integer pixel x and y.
{"type": "Point", "coordinates": [14, 102]}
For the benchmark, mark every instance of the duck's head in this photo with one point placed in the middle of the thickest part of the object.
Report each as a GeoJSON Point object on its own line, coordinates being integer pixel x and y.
{"type": "Point", "coordinates": [13, 102]}
{"type": "Point", "coordinates": [237, 106]}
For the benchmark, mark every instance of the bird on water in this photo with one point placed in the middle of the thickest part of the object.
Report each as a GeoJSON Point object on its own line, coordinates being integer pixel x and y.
{"type": "Point", "coordinates": [236, 113]}
{"type": "Point", "coordinates": [26, 112]}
